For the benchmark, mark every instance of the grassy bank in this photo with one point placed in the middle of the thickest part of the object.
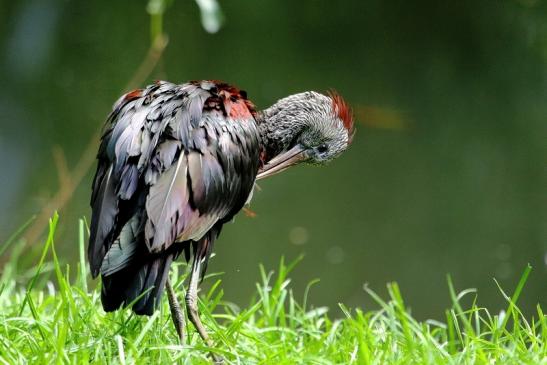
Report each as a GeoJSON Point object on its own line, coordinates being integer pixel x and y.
{"type": "Point", "coordinates": [51, 316]}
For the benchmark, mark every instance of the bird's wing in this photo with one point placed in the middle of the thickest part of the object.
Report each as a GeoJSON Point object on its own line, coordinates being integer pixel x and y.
{"type": "Point", "coordinates": [174, 160]}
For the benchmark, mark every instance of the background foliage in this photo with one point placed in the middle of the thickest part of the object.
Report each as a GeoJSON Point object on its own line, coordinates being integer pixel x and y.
{"type": "Point", "coordinates": [446, 173]}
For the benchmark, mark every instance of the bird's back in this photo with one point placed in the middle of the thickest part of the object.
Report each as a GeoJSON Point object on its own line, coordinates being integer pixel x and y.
{"type": "Point", "coordinates": [175, 163]}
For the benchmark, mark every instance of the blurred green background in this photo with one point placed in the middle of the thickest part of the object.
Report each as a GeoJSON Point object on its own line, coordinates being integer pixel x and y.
{"type": "Point", "coordinates": [447, 172]}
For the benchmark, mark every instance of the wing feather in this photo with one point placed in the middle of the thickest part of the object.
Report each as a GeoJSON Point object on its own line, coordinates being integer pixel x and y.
{"type": "Point", "coordinates": [124, 248]}
{"type": "Point", "coordinates": [105, 210]}
{"type": "Point", "coordinates": [165, 199]}
{"type": "Point", "coordinates": [173, 164]}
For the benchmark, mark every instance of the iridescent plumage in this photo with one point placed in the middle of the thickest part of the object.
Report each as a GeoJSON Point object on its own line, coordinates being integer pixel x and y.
{"type": "Point", "coordinates": [176, 162]}
{"type": "Point", "coordinates": [174, 166]}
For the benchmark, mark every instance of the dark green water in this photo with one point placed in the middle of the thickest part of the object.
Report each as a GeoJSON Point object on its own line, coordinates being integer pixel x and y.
{"type": "Point", "coordinates": [447, 173]}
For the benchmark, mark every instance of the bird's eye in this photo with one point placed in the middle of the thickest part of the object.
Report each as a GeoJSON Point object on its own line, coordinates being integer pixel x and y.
{"type": "Point", "coordinates": [322, 149]}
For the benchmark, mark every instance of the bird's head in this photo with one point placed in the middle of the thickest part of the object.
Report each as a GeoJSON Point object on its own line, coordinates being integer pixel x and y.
{"type": "Point", "coordinates": [308, 127]}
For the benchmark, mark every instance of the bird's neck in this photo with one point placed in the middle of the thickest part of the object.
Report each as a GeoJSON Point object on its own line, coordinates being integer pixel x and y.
{"type": "Point", "coordinates": [279, 125]}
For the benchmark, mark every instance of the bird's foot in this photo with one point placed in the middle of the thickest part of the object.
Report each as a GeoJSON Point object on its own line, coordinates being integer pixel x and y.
{"type": "Point", "coordinates": [217, 359]}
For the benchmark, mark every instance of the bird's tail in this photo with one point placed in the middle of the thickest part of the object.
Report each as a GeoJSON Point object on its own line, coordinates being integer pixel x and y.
{"type": "Point", "coordinates": [140, 284]}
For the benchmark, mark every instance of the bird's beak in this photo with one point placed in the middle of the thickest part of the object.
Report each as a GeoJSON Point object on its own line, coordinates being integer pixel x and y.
{"type": "Point", "coordinates": [283, 161]}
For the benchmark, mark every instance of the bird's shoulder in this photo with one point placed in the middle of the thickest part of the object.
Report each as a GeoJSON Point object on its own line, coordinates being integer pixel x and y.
{"type": "Point", "coordinates": [140, 119]}
{"type": "Point", "coordinates": [191, 149]}
{"type": "Point", "coordinates": [163, 99]}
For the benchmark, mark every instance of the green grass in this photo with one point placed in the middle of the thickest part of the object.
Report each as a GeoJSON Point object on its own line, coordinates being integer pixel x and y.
{"type": "Point", "coordinates": [48, 315]}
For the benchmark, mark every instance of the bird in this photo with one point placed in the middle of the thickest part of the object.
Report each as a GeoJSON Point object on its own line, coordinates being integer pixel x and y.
{"type": "Point", "coordinates": [176, 162]}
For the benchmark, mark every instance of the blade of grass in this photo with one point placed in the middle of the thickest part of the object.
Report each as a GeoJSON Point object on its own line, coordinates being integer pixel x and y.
{"type": "Point", "coordinates": [52, 225]}
{"type": "Point", "coordinates": [14, 236]}
{"type": "Point", "coordinates": [81, 246]}
{"type": "Point", "coordinates": [512, 301]}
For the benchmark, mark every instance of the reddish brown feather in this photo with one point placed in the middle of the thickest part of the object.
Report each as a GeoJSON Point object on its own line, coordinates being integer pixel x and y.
{"type": "Point", "coordinates": [235, 100]}
{"type": "Point", "coordinates": [343, 111]}
{"type": "Point", "coordinates": [133, 95]}
{"type": "Point", "coordinates": [248, 212]}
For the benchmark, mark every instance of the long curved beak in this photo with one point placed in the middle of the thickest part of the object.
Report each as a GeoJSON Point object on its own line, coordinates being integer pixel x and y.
{"type": "Point", "coordinates": [282, 162]}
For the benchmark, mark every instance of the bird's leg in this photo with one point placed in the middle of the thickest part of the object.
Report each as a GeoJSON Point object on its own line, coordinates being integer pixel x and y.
{"type": "Point", "coordinates": [176, 310]}
{"type": "Point", "coordinates": [192, 305]}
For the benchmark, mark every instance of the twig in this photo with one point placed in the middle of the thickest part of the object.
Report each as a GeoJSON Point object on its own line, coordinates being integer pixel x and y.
{"type": "Point", "coordinates": [149, 63]}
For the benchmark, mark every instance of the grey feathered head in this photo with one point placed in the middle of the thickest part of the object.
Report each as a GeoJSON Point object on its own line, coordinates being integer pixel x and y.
{"type": "Point", "coordinates": [308, 127]}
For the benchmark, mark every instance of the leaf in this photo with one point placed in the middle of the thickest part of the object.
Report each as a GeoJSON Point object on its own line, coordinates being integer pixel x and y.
{"type": "Point", "coordinates": [211, 15]}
